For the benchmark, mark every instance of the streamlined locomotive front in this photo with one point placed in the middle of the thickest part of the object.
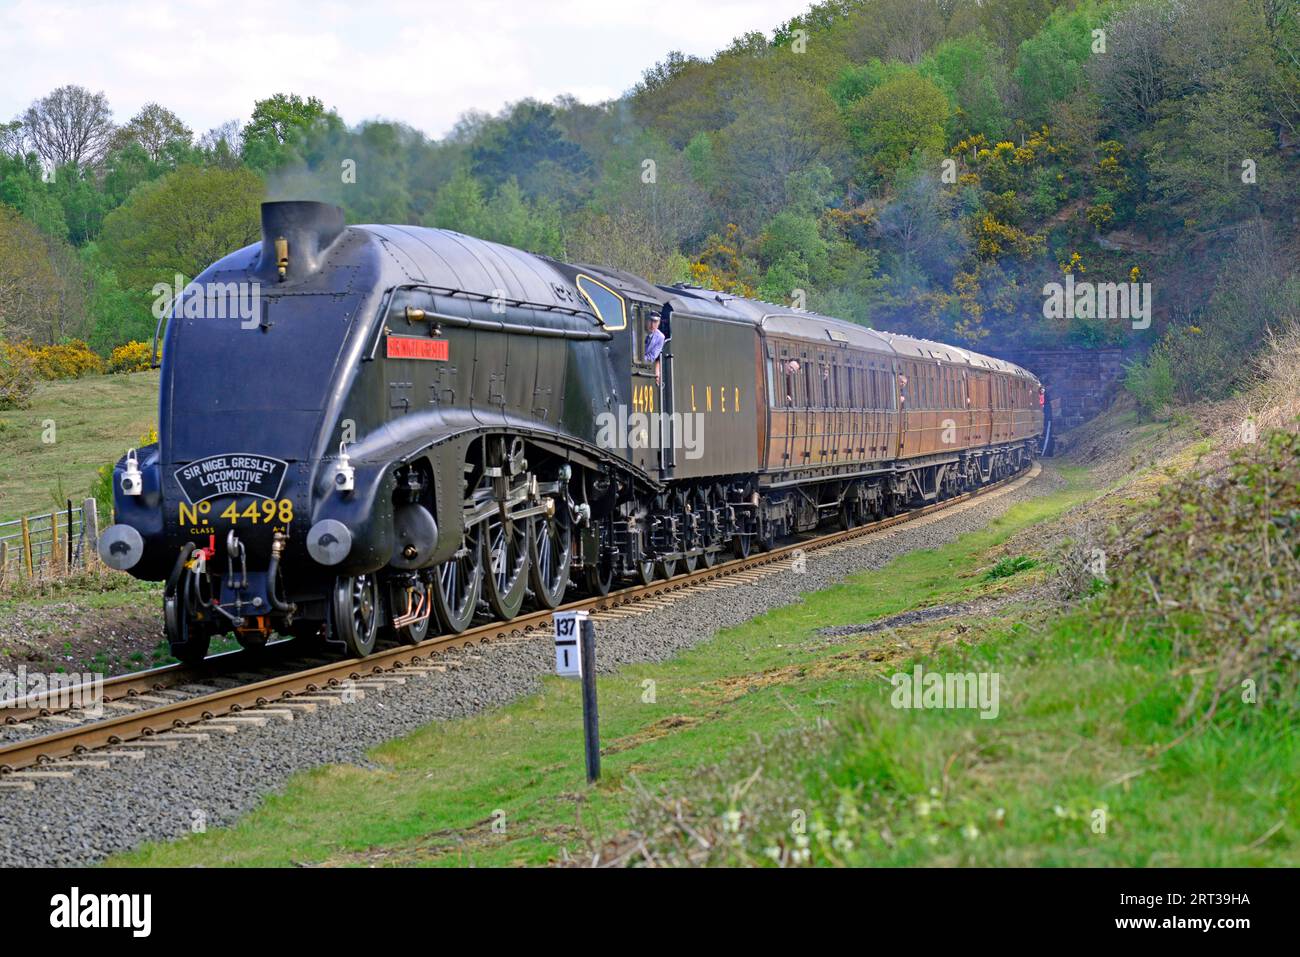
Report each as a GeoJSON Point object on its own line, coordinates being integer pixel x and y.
{"type": "Point", "coordinates": [238, 504]}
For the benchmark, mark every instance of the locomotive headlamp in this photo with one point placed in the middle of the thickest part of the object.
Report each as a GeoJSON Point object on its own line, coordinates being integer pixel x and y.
{"type": "Point", "coordinates": [345, 476]}
{"type": "Point", "coordinates": [132, 480]}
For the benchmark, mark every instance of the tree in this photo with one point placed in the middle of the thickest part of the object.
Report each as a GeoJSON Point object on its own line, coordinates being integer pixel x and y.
{"type": "Point", "coordinates": [1049, 65]}
{"type": "Point", "coordinates": [70, 125]}
{"type": "Point", "coordinates": [902, 117]}
{"type": "Point", "coordinates": [648, 185]}
{"type": "Point", "coordinates": [970, 72]}
{"type": "Point", "coordinates": [222, 145]}
{"type": "Point", "coordinates": [513, 220]}
{"type": "Point", "coordinates": [22, 187]}
{"type": "Point", "coordinates": [42, 296]}
{"type": "Point", "coordinates": [13, 141]}
{"type": "Point", "coordinates": [783, 125]}
{"type": "Point", "coordinates": [923, 243]}
{"type": "Point", "coordinates": [1130, 79]}
{"type": "Point", "coordinates": [155, 128]}
{"type": "Point", "coordinates": [460, 205]}
{"type": "Point", "coordinates": [1196, 164]}
{"type": "Point", "coordinates": [181, 223]}
{"type": "Point", "coordinates": [524, 144]}
{"type": "Point", "coordinates": [281, 126]}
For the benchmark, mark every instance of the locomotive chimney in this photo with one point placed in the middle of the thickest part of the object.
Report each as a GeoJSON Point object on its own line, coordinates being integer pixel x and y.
{"type": "Point", "coordinates": [296, 236]}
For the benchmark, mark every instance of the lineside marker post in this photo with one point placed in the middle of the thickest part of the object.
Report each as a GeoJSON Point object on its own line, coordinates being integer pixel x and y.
{"type": "Point", "coordinates": [575, 657]}
{"type": "Point", "coordinates": [590, 719]}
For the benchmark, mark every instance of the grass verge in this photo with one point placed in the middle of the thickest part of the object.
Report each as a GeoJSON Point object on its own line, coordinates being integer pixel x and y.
{"type": "Point", "coordinates": [53, 450]}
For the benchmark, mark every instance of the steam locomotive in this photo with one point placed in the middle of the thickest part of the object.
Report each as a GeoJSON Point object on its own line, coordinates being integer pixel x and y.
{"type": "Point", "coordinates": [376, 433]}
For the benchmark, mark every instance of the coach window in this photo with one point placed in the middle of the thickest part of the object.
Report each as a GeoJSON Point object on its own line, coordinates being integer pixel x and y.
{"type": "Point", "coordinates": [789, 377]}
{"type": "Point", "coordinates": [608, 305]}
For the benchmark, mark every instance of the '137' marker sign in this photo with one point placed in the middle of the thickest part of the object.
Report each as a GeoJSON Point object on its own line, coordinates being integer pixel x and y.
{"type": "Point", "coordinates": [568, 629]}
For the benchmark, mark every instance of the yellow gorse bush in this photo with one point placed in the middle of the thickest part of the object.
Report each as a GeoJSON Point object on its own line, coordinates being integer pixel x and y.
{"type": "Point", "coordinates": [132, 357]}
{"type": "Point", "coordinates": [65, 360]}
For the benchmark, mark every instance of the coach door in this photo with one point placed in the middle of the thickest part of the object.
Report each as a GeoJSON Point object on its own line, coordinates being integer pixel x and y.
{"type": "Point", "coordinates": [904, 386]}
{"type": "Point", "coordinates": [981, 413]}
{"type": "Point", "coordinates": [780, 400]}
{"type": "Point", "coordinates": [967, 412]}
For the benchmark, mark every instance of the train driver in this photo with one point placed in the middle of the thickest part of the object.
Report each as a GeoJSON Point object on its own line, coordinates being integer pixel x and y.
{"type": "Point", "coordinates": [654, 345]}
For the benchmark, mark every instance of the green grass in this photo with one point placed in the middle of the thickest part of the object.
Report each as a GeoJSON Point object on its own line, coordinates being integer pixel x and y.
{"type": "Point", "coordinates": [1079, 769]}
{"type": "Point", "coordinates": [438, 792]}
{"type": "Point", "coordinates": [95, 420]}
{"type": "Point", "coordinates": [1006, 567]}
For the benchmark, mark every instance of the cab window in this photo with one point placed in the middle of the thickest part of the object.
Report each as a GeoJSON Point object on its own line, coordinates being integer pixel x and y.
{"type": "Point", "coordinates": [608, 305]}
{"type": "Point", "coordinates": [640, 318]}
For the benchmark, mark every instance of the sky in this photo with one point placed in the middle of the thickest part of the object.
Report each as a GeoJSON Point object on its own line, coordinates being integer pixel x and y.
{"type": "Point", "coordinates": [424, 62]}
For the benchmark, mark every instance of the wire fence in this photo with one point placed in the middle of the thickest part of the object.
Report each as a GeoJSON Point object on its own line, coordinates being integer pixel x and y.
{"type": "Point", "coordinates": [49, 545]}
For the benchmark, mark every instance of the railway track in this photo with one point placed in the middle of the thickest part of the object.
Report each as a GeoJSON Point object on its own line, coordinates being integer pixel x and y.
{"type": "Point", "coordinates": [173, 716]}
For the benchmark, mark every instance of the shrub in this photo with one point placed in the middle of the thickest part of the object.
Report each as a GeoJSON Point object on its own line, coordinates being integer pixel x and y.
{"type": "Point", "coordinates": [1151, 383]}
{"type": "Point", "coordinates": [132, 357]}
{"type": "Point", "coordinates": [1214, 565]}
{"type": "Point", "coordinates": [65, 360]}
{"type": "Point", "coordinates": [1006, 567]}
{"type": "Point", "coordinates": [17, 377]}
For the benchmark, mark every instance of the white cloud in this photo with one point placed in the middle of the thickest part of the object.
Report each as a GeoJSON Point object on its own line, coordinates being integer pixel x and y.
{"type": "Point", "coordinates": [421, 61]}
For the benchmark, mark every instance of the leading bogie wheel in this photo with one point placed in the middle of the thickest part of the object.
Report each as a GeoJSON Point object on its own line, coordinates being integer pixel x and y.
{"type": "Point", "coordinates": [188, 639]}
{"type": "Point", "coordinates": [406, 599]}
{"type": "Point", "coordinates": [355, 613]}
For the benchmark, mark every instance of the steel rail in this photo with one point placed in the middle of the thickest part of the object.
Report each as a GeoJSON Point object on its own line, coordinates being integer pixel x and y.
{"type": "Point", "coordinates": [126, 686]}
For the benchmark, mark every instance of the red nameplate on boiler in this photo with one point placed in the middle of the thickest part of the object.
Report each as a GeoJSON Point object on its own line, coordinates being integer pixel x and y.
{"type": "Point", "coordinates": [412, 347]}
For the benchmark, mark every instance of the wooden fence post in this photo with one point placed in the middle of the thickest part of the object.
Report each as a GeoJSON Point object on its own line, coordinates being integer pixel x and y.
{"type": "Point", "coordinates": [27, 548]}
{"type": "Point", "coordinates": [55, 551]}
{"type": "Point", "coordinates": [4, 561]}
{"type": "Point", "coordinates": [90, 531]}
